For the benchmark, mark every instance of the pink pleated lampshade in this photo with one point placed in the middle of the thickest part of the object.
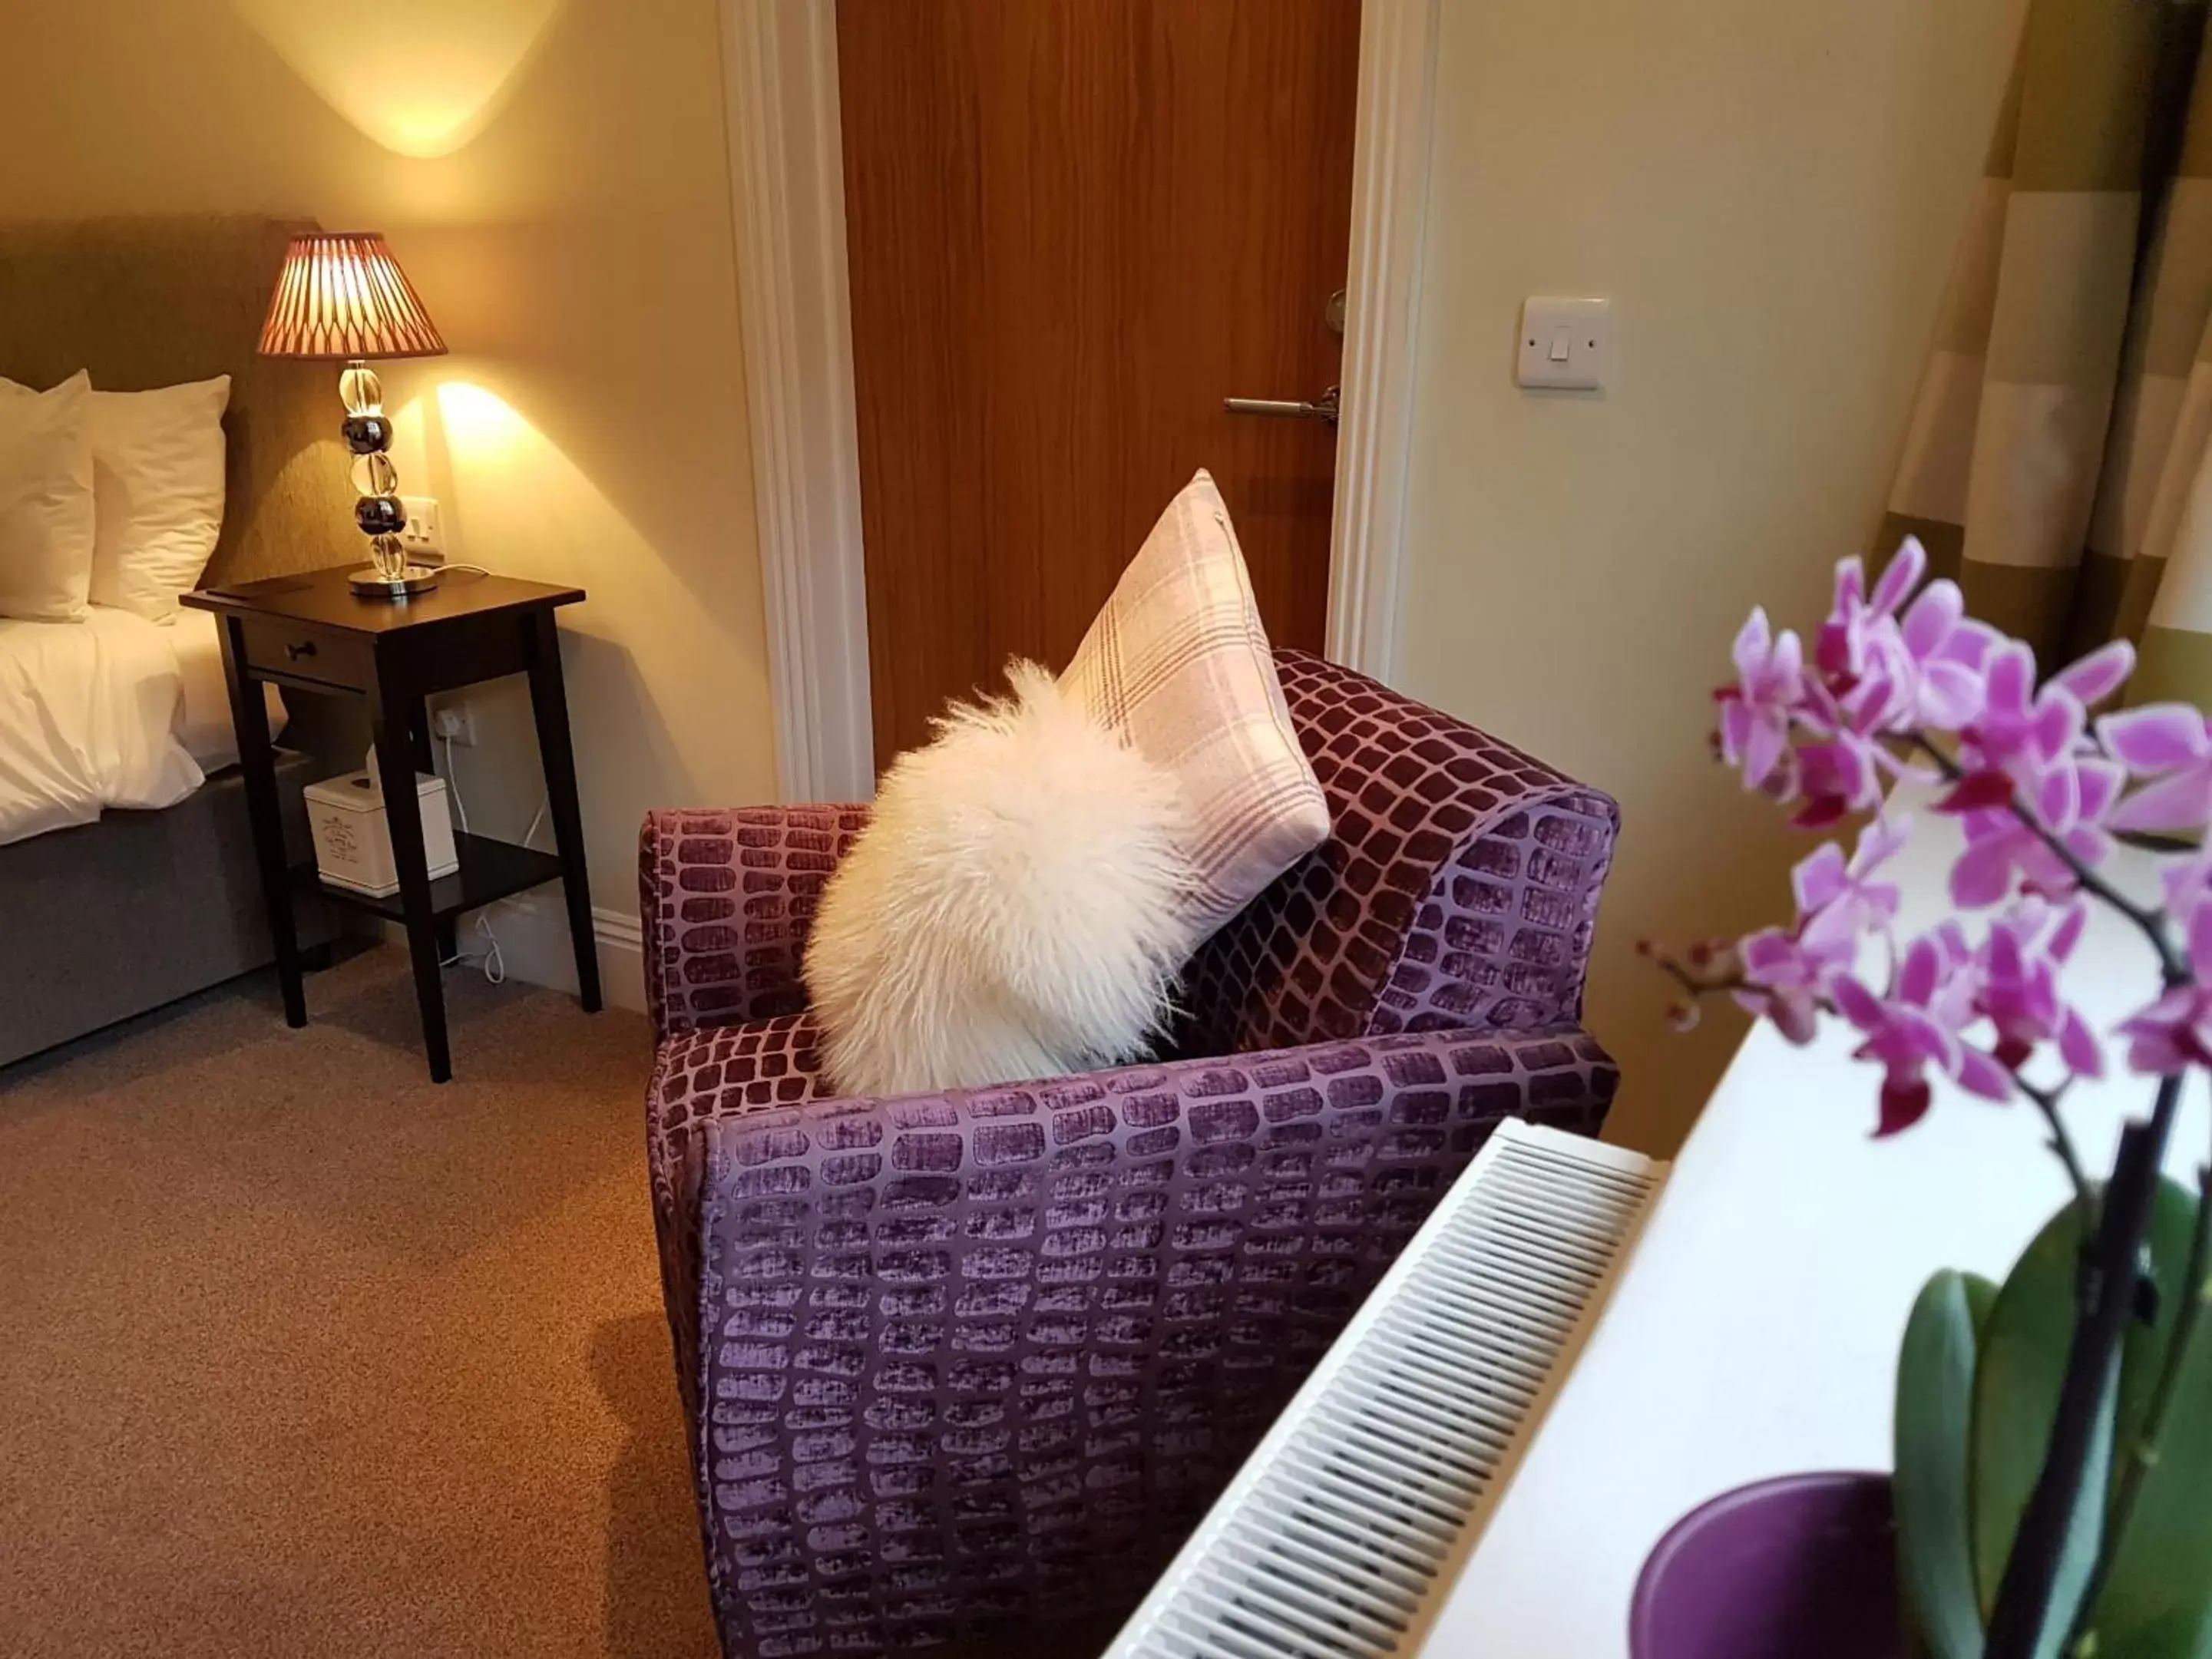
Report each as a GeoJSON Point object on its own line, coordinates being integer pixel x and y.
{"type": "Point", "coordinates": [341, 294]}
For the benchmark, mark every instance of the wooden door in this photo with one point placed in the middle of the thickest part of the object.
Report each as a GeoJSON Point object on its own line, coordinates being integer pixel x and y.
{"type": "Point", "coordinates": [1073, 227]}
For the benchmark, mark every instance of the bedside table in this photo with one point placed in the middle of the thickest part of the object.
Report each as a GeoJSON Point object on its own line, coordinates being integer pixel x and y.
{"type": "Point", "coordinates": [312, 633]}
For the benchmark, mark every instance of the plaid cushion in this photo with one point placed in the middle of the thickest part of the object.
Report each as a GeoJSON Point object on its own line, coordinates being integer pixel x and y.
{"type": "Point", "coordinates": [1178, 660]}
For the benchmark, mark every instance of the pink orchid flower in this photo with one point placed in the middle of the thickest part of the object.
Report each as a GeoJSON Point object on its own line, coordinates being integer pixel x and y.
{"type": "Point", "coordinates": [1896, 673]}
{"type": "Point", "coordinates": [2023, 732]}
{"type": "Point", "coordinates": [2173, 742]}
{"type": "Point", "coordinates": [1917, 1026]}
{"type": "Point", "coordinates": [1945, 652]}
{"type": "Point", "coordinates": [2020, 962]}
{"type": "Point", "coordinates": [1838, 903]}
{"type": "Point", "coordinates": [1844, 775]}
{"type": "Point", "coordinates": [2175, 1032]}
{"type": "Point", "coordinates": [1837, 900]}
{"type": "Point", "coordinates": [1842, 645]}
{"type": "Point", "coordinates": [2187, 882]}
{"type": "Point", "coordinates": [2075, 801]}
{"type": "Point", "coordinates": [1847, 771]}
{"type": "Point", "coordinates": [1756, 711]}
{"type": "Point", "coordinates": [1895, 668]}
{"type": "Point", "coordinates": [1791, 977]}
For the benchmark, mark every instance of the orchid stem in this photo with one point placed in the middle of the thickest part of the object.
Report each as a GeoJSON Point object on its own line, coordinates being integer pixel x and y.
{"type": "Point", "coordinates": [2172, 968]}
{"type": "Point", "coordinates": [2046, 1101]}
{"type": "Point", "coordinates": [2143, 1455]}
{"type": "Point", "coordinates": [2107, 1303]}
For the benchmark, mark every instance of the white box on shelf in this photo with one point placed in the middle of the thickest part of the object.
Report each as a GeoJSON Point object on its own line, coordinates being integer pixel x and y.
{"type": "Point", "coordinates": [353, 846]}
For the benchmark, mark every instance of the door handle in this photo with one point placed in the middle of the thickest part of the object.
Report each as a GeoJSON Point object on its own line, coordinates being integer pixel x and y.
{"type": "Point", "coordinates": [1323, 409]}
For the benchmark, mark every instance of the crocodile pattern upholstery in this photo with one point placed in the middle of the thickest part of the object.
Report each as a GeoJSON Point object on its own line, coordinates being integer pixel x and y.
{"type": "Point", "coordinates": [728, 898]}
{"type": "Point", "coordinates": [985, 1352]}
{"type": "Point", "coordinates": [708, 1079]}
{"type": "Point", "coordinates": [701, 1076]}
{"type": "Point", "coordinates": [953, 1359]}
{"type": "Point", "coordinates": [1459, 884]}
{"type": "Point", "coordinates": [1502, 938]}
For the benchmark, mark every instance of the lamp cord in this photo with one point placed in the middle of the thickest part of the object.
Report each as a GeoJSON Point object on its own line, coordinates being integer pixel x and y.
{"type": "Point", "coordinates": [492, 963]}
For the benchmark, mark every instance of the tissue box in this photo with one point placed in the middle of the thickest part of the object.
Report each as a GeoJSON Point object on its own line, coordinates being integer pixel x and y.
{"type": "Point", "coordinates": [353, 846]}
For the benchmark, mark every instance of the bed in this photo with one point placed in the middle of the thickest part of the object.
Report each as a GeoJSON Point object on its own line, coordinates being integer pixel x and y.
{"type": "Point", "coordinates": [116, 712]}
{"type": "Point", "coordinates": [127, 878]}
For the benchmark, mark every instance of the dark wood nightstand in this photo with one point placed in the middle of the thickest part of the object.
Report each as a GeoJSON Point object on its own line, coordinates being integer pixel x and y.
{"type": "Point", "coordinates": [312, 633]}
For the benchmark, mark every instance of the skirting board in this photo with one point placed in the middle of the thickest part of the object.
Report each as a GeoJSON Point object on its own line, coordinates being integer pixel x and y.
{"type": "Point", "coordinates": [533, 944]}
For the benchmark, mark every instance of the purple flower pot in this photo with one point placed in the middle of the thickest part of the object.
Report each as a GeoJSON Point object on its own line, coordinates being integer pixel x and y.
{"type": "Point", "coordinates": [1804, 1565]}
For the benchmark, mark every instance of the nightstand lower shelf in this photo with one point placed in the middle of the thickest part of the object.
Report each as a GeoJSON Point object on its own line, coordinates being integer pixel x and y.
{"type": "Point", "coordinates": [489, 870]}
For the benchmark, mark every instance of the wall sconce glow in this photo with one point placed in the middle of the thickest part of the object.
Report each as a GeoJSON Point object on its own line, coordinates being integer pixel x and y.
{"type": "Point", "coordinates": [422, 77]}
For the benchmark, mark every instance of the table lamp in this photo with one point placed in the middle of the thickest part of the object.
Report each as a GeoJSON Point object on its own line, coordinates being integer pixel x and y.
{"type": "Point", "coordinates": [342, 298]}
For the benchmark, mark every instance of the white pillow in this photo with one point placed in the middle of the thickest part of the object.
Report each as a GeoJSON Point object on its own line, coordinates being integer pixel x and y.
{"type": "Point", "coordinates": [1178, 661]}
{"type": "Point", "coordinates": [157, 486]}
{"type": "Point", "coordinates": [1014, 909]}
{"type": "Point", "coordinates": [45, 502]}
{"type": "Point", "coordinates": [157, 461]}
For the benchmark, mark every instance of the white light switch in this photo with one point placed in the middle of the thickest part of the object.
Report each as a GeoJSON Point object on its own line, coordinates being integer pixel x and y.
{"type": "Point", "coordinates": [1566, 345]}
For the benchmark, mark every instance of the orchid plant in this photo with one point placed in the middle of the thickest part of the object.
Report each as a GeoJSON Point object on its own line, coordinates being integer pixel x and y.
{"type": "Point", "coordinates": [2054, 1479]}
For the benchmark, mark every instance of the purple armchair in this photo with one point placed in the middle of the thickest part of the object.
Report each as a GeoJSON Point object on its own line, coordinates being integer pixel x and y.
{"type": "Point", "coordinates": [954, 1360]}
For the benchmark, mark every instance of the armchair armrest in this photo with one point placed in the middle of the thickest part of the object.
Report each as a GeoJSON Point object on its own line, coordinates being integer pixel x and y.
{"type": "Point", "coordinates": [1458, 887]}
{"type": "Point", "coordinates": [725, 900]}
{"type": "Point", "coordinates": [961, 1356]}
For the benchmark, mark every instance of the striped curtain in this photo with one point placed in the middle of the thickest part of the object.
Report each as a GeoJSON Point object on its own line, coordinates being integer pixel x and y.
{"type": "Point", "coordinates": [2059, 457]}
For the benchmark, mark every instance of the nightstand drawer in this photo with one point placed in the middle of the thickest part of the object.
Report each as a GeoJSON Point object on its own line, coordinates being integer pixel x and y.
{"type": "Point", "coordinates": [274, 646]}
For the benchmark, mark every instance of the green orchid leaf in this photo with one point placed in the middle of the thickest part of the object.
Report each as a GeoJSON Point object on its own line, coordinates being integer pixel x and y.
{"type": "Point", "coordinates": [2016, 1385]}
{"type": "Point", "coordinates": [1935, 1418]}
{"type": "Point", "coordinates": [1981, 1298]}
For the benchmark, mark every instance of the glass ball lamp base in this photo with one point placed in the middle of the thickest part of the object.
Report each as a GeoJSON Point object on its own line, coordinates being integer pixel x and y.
{"type": "Point", "coordinates": [380, 513]}
{"type": "Point", "coordinates": [371, 583]}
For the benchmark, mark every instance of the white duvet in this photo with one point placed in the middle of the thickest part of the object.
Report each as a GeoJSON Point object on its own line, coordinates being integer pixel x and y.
{"type": "Point", "coordinates": [96, 713]}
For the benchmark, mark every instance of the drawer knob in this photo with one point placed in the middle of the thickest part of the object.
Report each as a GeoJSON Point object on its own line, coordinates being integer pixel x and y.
{"type": "Point", "coordinates": [304, 648]}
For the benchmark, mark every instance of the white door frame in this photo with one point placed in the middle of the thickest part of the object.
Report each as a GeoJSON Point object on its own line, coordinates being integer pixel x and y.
{"type": "Point", "coordinates": [786, 169]}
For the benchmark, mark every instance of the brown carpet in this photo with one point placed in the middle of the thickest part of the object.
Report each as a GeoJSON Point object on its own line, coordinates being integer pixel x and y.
{"type": "Point", "coordinates": [302, 1355]}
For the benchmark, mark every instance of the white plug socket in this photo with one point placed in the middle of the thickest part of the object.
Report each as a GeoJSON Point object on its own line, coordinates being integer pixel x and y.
{"type": "Point", "coordinates": [454, 722]}
{"type": "Point", "coordinates": [422, 533]}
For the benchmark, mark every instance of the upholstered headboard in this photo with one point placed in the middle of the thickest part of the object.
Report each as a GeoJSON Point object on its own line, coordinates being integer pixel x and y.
{"type": "Point", "coordinates": [150, 302]}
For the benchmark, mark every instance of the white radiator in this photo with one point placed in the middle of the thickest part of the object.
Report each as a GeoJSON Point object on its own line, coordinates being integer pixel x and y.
{"type": "Point", "coordinates": [1336, 1539]}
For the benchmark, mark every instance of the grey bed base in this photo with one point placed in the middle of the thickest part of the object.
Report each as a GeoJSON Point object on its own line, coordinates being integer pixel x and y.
{"type": "Point", "coordinates": [109, 919]}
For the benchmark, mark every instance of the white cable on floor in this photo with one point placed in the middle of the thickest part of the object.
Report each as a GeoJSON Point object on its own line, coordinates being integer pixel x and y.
{"type": "Point", "coordinates": [495, 965]}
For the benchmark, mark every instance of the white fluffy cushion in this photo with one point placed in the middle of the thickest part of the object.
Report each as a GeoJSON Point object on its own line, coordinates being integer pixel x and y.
{"type": "Point", "coordinates": [45, 503]}
{"type": "Point", "coordinates": [1014, 909]}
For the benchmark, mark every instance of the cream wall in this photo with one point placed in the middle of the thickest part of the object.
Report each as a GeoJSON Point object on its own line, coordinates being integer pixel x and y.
{"type": "Point", "coordinates": [571, 233]}
{"type": "Point", "coordinates": [1770, 192]}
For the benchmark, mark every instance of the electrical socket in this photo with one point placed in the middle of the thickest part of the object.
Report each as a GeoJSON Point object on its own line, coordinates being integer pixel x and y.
{"type": "Point", "coordinates": [422, 533]}
{"type": "Point", "coordinates": [454, 722]}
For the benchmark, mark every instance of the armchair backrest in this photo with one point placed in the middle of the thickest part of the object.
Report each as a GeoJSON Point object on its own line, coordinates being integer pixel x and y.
{"type": "Point", "coordinates": [1458, 887]}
